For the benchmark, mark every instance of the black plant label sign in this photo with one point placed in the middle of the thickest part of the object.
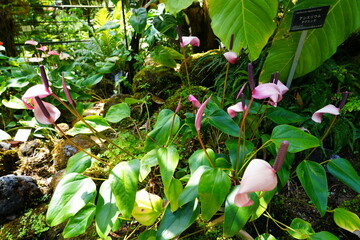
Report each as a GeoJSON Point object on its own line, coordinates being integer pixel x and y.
{"type": "Point", "coordinates": [309, 18]}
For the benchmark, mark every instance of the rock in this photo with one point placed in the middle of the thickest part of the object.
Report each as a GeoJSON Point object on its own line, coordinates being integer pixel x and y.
{"type": "Point", "coordinates": [64, 150]}
{"type": "Point", "coordinates": [16, 194]}
{"type": "Point", "coordinates": [28, 148]}
{"type": "Point", "coordinates": [9, 161]}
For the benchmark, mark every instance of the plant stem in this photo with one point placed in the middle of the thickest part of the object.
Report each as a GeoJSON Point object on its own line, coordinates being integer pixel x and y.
{"type": "Point", "coordinates": [225, 83]}
{"type": "Point", "coordinates": [203, 147]}
{"type": "Point", "coordinates": [323, 137]}
{"type": "Point", "coordinates": [186, 70]}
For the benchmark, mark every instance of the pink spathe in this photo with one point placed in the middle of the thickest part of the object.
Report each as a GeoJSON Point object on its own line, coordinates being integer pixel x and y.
{"type": "Point", "coordinates": [37, 90]}
{"type": "Point", "coordinates": [194, 101]}
{"type": "Point", "coordinates": [258, 176]}
{"type": "Point", "coordinates": [52, 110]}
{"type": "Point", "coordinates": [270, 90]}
{"type": "Point", "coordinates": [331, 109]}
{"type": "Point", "coordinates": [234, 109]}
{"type": "Point", "coordinates": [193, 41]}
{"type": "Point", "coordinates": [231, 57]}
{"type": "Point", "coordinates": [199, 115]}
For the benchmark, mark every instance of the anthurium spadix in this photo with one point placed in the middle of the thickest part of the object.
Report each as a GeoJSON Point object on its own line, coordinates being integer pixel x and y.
{"type": "Point", "coordinates": [331, 109]}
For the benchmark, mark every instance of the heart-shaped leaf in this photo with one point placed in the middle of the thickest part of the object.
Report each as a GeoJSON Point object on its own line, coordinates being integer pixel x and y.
{"type": "Point", "coordinates": [344, 171]}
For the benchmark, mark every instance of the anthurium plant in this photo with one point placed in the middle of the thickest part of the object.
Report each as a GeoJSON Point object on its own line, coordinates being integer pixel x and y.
{"type": "Point", "coordinates": [231, 183]}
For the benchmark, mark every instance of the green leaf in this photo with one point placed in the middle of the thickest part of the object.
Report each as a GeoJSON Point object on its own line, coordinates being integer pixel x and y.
{"type": "Point", "coordinates": [112, 24]}
{"type": "Point", "coordinates": [251, 22]}
{"type": "Point", "coordinates": [161, 132]}
{"type": "Point", "coordinates": [92, 80]}
{"type": "Point", "coordinates": [168, 159]}
{"type": "Point", "coordinates": [282, 116]}
{"type": "Point", "coordinates": [222, 121]}
{"type": "Point", "coordinates": [198, 158]}
{"type": "Point", "coordinates": [264, 200]}
{"type": "Point", "coordinates": [346, 220]}
{"type": "Point", "coordinates": [78, 163]}
{"type": "Point", "coordinates": [4, 135]}
{"type": "Point", "coordinates": [344, 171]}
{"type": "Point", "coordinates": [320, 44]}
{"type": "Point", "coordinates": [191, 189]}
{"type": "Point", "coordinates": [97, 122]}
{"type": "Point", "coordinates": [302, 229]}
{"type": "Point", "coordinates": [165, 56]}
{"type": "Point", "coordinates": [72, 193]}
{"type": "Point", "coordinates": [146, 162]}
{"type": "Point", "coordinates": [123, 181]}
{"type": "Point", "coordinates": [175, 6]}
{"type": "Point", "coordinates": [148, 207]}
{"type": "Point", "coordinates": [80, 222]}
{"type": "Point", "coordinates": [236, 217]}
{"type": "Point", "coordinates": [174, 223]}
{"type": "Point", "coordinates": [106, 210]}
{"type": "Point", "coordinates": [313, 178]}
{"type": "Point", "coordinates": [324, 235]}
{"type": "Point", "coordinates": [265, 236]}
{"type": "Point", "coordinates": [166, 24]}
{"type": "Point", "coordinates": [14, 103]}
{"type": "Point", "coordinates": [173, 192]}
{"type": "Point", "coordinates": [213, 188]}
{"type": "Point", "coordinates": [138, 19]}
{"type": "Point", "coordinates": [118, 112]}
{"type": "Point", "coordinates": [298, 139]}
{"type": "Point", "coordinates": [232, 146]}
{"type": "Point", "coordinates": [147, 235]}
{"type": "Point", "coordinates": [105, 67]}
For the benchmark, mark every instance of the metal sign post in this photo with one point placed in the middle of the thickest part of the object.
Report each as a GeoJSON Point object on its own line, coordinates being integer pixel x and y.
{"type": "Point", "coordinates": [303, 20]}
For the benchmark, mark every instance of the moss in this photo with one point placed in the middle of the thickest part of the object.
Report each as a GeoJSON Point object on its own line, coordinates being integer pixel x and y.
{"type": "Point", "coordinates": [352, 205]}
{"type": "Point", "coordinates": [158, 80]}
{"type": "Point", "coordinates": [29, 226]}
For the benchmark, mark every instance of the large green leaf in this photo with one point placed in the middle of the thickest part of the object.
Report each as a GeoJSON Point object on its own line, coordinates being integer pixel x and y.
{"type": "Point", "coordinates": [251, 22]}
{"type": "Point", "coordinates": [79, 162]}
{"type": "Point", "coordinates": [97, 122]}
{"type": "Point", "coordinates": [191, 189]}
{"type": "Point", "coordinates": [298, 139]}
{"type": "Point", "coordinates": [72, 193]}
{"type": "Point", "coordinates": [80, 222]}
{"type": "Point", "coordinates": [342, 19]}
{"type": "Point", "coordinates": [302, 229]}
{"type": "Point", "coordinates": [324, 235]}
{"type": "Point", "coordinates": [118, 112]}
{"type": "Point", "coordinates": [344, 171]}
{"type": "Point", "coordinates": [168, 159]}
{"type": "Point", "coordinates": [148, 207]}
{"type": "Point", "coordinates": [174, 223]}
{"type": "Point", "coordinates": [161, 132]}
{"type": "Point", "coordinates": [106, 210]}
{"type": "Point", "coordinates": [149, 160]}
{"type": "Point", "coordinates": [138, 19]}
{"type": "Point", "coordinates": [165, 56]}
{"type": "Point", "coordinates": [173, 192]}
{"type": "Point", "coordinates": [282, 116]}
{"type": "Point", "coordinates": [213, 188]}
{"type": "Point", "coordinates": [175, 6]}
{"type": "Point", "coordinates": [313, 178]}
{"type": "Point", "coordinates": [236, 217]}
{"type": "Point", "coordinates": [166, 24]}
{"type": "Point", "coordinates": [123, 181]}
{"type": "Point", "coordinates": [346, 220]}
{"type": "Point", "coordinates": [222, 121]}
{"type": "Point", "coordinates": [232, 146]}
{"type": "Point", "coordinates": [198, 158]}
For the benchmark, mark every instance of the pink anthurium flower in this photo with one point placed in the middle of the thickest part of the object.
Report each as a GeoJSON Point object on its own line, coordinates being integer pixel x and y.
{"type": "Point", "coordinates": [45, 117]}
{"type": "Point", "coordinates": [42, 48]}
{"type": "Point", "coordinates": [199, 115]}
{"type": "Point", "coordinates": [31, 42]}
{"type": "Point", "coordinates": [193, 41]}
{"type": "Point", "coordinates": [234, 109]}
{"type": "Point", "coordinates": [331, 109]}
{"type": "Point", "coordinates": [53, 53]}
{"type": "Point", "coordinates": [35, 91]}
{"type": "Point", "coordinates": [270, 90]}
{"type": "Point", "coordinates": [258, 176]}
{"type": "Point", "coordinates": [231, 57]}
{"type": "Point", "coordinates": [194, 101]}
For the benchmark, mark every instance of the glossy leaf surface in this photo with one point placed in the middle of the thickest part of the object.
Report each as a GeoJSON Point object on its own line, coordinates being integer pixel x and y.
{"type": "Point", "coordinates": [80, 222]}
{"type": "Point", "coordinates": [344, 171]}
